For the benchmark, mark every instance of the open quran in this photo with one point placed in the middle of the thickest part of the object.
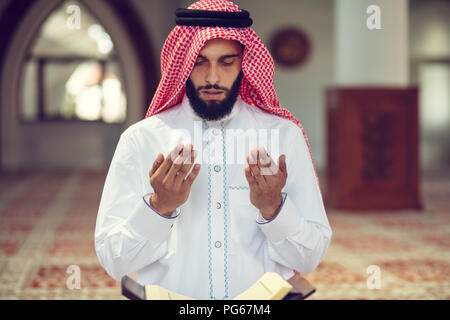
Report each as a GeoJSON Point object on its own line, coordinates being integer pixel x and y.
{"type": "Point", "coordinates": [270, 286]}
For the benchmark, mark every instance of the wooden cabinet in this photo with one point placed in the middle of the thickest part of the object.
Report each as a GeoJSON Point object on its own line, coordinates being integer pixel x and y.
{"type": "Point", "coordinates": [372, 145]}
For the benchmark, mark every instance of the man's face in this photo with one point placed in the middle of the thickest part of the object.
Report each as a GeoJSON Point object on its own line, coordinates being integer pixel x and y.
{"type": "Point", "coordinates": [214, 83]}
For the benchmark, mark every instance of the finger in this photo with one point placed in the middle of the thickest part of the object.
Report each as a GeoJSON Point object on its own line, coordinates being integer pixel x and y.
{"type": "Point", "coordinates": [176, 166]}
{"type": "Point", "coordinates": [266, 164]}
{"type": "Point", "coordinates": [272, 169]}
{"type": "Point", "coordinates": [264, 171]}
{"type": "Point", "coordinates": [255, 170]}
{"type": "Point", "coordinates": [167, 164]}
{"type": "Point", "coordinates": [282, 164]}
{"type": "Point", "coordinates": [190, 157]}
{"type": "Point", "coordinates": [251, 179]}
{"type": "Point", "coordinates": [270, 172]}
{"type": "Point", "coordinates": [263, 157]}
{"type": "Point", "coordinates": [159, 160]}
{"type": "Point", "coordinates": [191, 177]}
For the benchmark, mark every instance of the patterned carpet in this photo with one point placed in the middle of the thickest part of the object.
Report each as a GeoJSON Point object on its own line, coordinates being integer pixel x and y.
{"type": "Point", "coordinates": [47, 221]}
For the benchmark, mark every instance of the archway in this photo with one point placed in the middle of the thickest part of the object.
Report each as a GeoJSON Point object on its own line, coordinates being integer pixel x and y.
{"type": "Point", "coordinates": [69, 144]}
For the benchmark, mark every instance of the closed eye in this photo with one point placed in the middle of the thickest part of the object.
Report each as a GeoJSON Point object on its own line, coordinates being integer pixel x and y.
{"type": "Point", "coordinates": [227, 63]}
{"type": "Point", "coordinates": [199, 62]}
{"type": "Point", "coordinates": [228, 59]}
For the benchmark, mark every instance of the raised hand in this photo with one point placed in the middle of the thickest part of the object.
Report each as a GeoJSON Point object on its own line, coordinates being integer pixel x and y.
{"type": "Point", "coordinates": [266, 180]}
{"type": "Point", "coordinates": [169, 179]}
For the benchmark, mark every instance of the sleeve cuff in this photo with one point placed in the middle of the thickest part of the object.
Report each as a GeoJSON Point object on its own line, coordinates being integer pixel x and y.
{"type": "Point", "coordinates": [286, 222]}
{"type": "Point", "coordinates": [150, 224]}
{"type": "Point", "coordinates": [174, 214]}
{"type": "Point", "coordinates": [261, 220]}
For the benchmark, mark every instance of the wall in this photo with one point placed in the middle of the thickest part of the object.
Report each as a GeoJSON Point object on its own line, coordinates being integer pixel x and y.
{"type": "Point", "coordinates": [371, 57]}
{"type": "Point", "coordinates": [71, 144]}
{"type": "Point", "coordinates": [430, 28]}
{"type": "Point", "coordinates": [158, 17]}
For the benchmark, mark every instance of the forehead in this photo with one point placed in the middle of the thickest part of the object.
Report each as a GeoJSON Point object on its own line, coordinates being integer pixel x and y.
{"type": "Point", "coordinates": [216, 47]}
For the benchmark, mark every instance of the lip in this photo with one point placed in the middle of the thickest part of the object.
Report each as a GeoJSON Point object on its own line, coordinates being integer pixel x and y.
{"type": "Point", "coordinates": [211, 94]}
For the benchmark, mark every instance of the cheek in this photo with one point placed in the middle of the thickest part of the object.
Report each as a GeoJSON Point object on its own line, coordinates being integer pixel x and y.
{"type": "Point", "coordinates": [231, 76]}
{"type": "Point", "coordinates": [197, 77]}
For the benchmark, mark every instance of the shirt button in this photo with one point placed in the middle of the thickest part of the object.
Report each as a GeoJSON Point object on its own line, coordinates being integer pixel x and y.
{"type": "Point", "coordinates": [216, 168]}
{"type": "Point", "coordinates": [215, 132]}
{"type": "Point", "coordinates": [218, 244]}
{"type": "Point", "coordinates": [218, 205]}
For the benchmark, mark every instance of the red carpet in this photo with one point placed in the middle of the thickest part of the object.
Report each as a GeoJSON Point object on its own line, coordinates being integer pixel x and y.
{"type": "Point", "coordinates": [47, 221]}
{"type": "Point", "coordinates": [47, 224]}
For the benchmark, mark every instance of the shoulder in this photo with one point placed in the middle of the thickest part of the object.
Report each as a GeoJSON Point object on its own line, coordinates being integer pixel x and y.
{"type": "Point", "coordinates": [147, 126]}
{"type": "Point", "coordinates": [272, 121]}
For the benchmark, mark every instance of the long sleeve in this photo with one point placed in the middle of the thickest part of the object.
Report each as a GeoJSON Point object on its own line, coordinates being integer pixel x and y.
{"type": "Point", "coordinates": [126, 225]}
{"type": "Point", "coordinates": [299, 236]}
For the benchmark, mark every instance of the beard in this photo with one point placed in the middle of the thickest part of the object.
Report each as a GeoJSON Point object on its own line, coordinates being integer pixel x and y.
{"type": "Point", "coordinates": [213, 110]}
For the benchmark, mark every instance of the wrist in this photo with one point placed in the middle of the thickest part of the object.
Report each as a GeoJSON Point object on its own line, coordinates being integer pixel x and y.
{"type": "Point", "coordinates": [160, 209]}
{"type": "Point", "coordinates": [270, 212]}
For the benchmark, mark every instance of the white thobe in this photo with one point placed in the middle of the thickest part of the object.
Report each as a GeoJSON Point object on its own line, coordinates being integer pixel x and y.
{"type": "Point", "coordinates": [217, 244]}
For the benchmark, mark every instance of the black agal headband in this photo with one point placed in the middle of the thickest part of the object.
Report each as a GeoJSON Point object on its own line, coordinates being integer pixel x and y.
{"type": "Point", "coordinates": [207, 18]}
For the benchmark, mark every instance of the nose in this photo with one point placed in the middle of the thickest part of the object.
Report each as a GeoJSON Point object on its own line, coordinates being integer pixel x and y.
{"type": "Point", "coordinates": [212, 76]}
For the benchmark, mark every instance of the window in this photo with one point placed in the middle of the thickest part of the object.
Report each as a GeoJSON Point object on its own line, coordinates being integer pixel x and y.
{"type": "Point", "coordinates": [434, 99]}
{"type": "Point", "coordinates": [72, 71]}
{"type": "Point", "coordinates": [434, 79]}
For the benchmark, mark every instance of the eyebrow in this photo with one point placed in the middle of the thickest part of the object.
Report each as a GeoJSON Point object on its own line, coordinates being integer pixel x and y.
{"type": "Point", "coordinates": [221, 57]}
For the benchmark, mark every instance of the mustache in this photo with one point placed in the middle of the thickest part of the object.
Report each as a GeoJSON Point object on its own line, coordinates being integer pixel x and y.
{"type": "Point", "coordinates": [212, 86]}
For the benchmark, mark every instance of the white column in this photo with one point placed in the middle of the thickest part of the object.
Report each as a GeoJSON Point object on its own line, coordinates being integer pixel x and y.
{"type": "Point", "coordinates": [366, 57]}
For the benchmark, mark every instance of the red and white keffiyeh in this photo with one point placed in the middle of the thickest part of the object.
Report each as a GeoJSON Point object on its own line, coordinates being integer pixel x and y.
{"type": "Point", "coordinates": [180, 52]}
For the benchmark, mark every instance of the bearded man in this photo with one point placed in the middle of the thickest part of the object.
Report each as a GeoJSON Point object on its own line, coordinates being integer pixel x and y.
{"type": "Point", "coordinates": [210, 229]}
